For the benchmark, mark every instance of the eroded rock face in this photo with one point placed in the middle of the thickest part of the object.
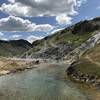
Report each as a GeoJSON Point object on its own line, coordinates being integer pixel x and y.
{"type": "Point", "coordinates": [56, 52]}
{"type": "Point", "coordinates": [64, 36]}
{"type": "Point", "coordinates": [66, 51]}
{"type": "Point", "coordinates": [90, 43]}
{"type": "Point", "coordinates": [77, 75]}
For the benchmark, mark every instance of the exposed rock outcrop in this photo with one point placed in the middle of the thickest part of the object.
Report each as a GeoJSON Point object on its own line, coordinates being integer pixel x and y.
{"type": "Point", "coordinates": [56, 52]}
{"type": "Point", "coordinates": [63, 43]}
{"type": "Point", "coordinates": [76, 53]}
{"type": "Point", "coordinates": [80, 77]}
{"type": "Point", "coordinates": [74, 57]}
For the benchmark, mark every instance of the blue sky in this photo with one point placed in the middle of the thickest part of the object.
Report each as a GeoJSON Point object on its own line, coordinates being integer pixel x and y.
{"type": "Point", "coordinates": [35, 19]}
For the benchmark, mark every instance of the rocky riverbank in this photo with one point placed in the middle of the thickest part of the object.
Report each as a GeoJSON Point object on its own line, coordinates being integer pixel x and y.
{"type": "Point", "coordinates": [78, 76]}
{"type": "Point", "coordinates": [84, 66]}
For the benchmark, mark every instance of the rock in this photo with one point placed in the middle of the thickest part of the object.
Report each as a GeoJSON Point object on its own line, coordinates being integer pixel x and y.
{"type": "Point", "coordinates": [98, 80]}
{"type": "Point", "coordinates": [37, 62]}
{"type": "Point", "coordinates": [78, 76]}
{"type": "Point", "coordinates": [70, 71]}
{"type": "Point", "coordinates": [56, 52]}
{"type": "Point", "coordinates": [92, 77]}
{"type": "Point", "coordinates": [87, 80]}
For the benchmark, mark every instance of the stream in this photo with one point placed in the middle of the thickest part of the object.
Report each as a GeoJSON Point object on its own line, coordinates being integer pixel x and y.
{"type": "Point", "coordinates": [44, 83]}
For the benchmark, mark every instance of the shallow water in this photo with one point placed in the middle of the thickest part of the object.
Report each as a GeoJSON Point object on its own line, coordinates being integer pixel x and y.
{"type": "Point", "coordinates": [48, 83]}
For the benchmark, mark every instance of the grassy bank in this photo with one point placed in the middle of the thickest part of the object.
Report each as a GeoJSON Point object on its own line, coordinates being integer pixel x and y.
{"type": "Point", "coordinates": [89, 63]}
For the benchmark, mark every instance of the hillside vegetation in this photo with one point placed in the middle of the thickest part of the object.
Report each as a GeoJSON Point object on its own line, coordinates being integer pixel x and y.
{"type": "Point", "coordinates": [54, 46]}
{"type": "Point", "coordinates": [74, 36]}
{"type": "Point", "coordinates": [13, 47]}
{"type": "Point", "coordinates": [89, 62]}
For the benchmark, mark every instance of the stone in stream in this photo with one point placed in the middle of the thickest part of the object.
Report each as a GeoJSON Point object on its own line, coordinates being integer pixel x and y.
{"type": "Point", "coordinates": [37, 62]}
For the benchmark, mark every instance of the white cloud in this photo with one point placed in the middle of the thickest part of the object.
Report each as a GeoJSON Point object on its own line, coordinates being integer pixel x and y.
{"type": "Point", "coordinates": [12, 23]}
{"type": "Point", "coordinates": [63, 19]}
{"type": "Point", "coordinates": [43, 27]}
{"type": "Point", "coordinates": [56, 30]}
{"type": "Point", "coordinates": [1, 34]}
{"type": "Point", "coordinates": [16, 24]}
{"type": "Point", "coordinates": [4, 39]}
{"type": "Point", "coordinates": [16, 36]}
{"type": "Point", "coordinates": [80, 2]}
{"type": "Point", "coordinates": [11, 1]}
{"type": "Point", "coordinates": [14, 9]}
{"type": "Point", "coordinates": [39, 7]}
{"type": "Point", "coordinates": [33, 38]}
{"type": "Point", "coordinates": [98, 8]}
{"type": "Point", "coordinates": [34, 8]}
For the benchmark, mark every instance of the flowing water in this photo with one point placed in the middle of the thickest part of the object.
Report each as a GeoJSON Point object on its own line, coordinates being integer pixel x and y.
{"type": "Point", "coordinates": [48, 83]}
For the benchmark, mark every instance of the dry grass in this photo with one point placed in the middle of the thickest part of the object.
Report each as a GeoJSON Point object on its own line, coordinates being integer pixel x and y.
{"type": "Point", "coordinates": [94, 53]}
{"type": "Point", "coordinates": [8, 64]}
{"type": "Point", "coordinates": [89, 63]}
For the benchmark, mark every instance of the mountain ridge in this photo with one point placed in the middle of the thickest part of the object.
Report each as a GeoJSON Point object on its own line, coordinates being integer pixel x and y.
{"type": "Point", "coordinates": [13, 47]}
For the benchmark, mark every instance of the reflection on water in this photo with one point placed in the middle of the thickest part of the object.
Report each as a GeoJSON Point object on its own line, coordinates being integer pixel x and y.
{"type": "Point", "coordinates": [39, 84]}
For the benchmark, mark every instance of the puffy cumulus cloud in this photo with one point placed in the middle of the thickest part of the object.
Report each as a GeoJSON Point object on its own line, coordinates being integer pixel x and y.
{"type": "Point", "coordinates": [34, 8]}
{"type": "Point", "coordinates": [15, 24]}
{"type": "Point", "coordinates": [39, 7]}
{"type": "Point", "coordinates": [63, 19]}
{"type": "Point", "coordinates": [44, 27]}
{"type": "Point", "coordinates": [14, 9]}
{"type": "Point", "coordinates": [12, 23]}
{"type": "Point", "coordinates": [33, 38]}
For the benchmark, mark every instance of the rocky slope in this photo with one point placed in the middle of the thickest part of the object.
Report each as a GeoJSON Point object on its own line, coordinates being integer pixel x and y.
{"type": "Point", "coordinates": [56, 52]}
{"type": "Point", "coordinates": [88, 44]}
{"type": "Point", "coordinates": [79, 45]}
{"type": "Point", "coordinates": [60, 44]}
{"type": "Point", "coordinates": [87, 67]}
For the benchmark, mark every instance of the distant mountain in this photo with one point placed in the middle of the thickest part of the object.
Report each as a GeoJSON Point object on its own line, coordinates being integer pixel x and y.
{"type": "Point", "coordinates": [14, 47]}
{"type": "Point", "coordinates": [64, 40]}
